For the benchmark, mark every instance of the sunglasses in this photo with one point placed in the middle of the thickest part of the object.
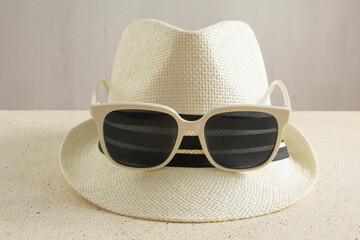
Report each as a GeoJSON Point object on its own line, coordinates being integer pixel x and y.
{"type": "Point", "coordinates": [234, 138]}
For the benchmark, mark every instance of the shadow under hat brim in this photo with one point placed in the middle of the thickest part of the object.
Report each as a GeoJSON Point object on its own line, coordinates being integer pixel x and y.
{"type": "Point", "coordinates": [180, 194]}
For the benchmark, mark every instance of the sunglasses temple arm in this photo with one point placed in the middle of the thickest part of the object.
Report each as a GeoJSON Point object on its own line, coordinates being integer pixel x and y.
{"type": "Point", "coordinates": [275, 83]}
{"type": "Point", "coordinates": [95, 88]}
{"type": "Point", "coordinates": [94, 93]}
{"type": "Point", "coordinates": [283, 89]}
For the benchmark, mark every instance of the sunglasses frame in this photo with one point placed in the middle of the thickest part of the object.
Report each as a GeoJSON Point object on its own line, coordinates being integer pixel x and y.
{"type": "Point", "coordinates": [281, 114]}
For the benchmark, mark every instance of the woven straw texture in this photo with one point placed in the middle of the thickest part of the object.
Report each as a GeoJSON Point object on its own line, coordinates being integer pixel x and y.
{"type": "Point", "coordinates": [186, 194]}
{"type": "Point", "coordinates": [191, 72]}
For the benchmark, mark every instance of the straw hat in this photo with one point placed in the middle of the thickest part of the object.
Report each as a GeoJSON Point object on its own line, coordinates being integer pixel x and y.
{"type": "Point", "coordinates": [191, 72]}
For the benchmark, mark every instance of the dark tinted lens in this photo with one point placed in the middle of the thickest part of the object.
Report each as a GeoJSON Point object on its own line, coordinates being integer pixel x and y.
{"type": "Point", "coordinates": [139, 138]}
{"type": "Point", "coordinates": [241, 139]}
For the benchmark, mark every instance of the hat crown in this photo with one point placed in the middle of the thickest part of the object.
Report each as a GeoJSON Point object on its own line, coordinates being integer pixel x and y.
{"type": "Point", "coordinates": [190, 71]}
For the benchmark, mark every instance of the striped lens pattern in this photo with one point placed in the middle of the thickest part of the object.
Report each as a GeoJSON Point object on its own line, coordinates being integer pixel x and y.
{"type": "Point", "coordinates": [139, 138]}
{"type": "Point", "coordinates": [240, 140]}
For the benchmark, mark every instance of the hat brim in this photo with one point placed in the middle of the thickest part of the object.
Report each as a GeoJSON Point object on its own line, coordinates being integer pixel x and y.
{"type": "Point", "coordinates": [180, 194]}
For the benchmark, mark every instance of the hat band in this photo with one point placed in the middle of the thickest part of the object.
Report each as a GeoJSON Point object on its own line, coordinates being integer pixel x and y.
{"type": "Point", "coordinates": [199, 160]}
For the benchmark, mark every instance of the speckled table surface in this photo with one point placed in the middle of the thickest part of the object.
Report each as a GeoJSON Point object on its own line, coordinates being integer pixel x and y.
{"type": "Point", "coordinates": [37, 203]}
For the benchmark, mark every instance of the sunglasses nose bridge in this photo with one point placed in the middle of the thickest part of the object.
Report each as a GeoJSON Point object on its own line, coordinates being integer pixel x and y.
{"type": "Point", "coordinates": [194, 126]}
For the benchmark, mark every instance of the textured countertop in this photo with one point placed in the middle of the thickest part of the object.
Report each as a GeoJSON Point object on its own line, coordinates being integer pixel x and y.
{"type": "Point", "coordinates": [37, 203]}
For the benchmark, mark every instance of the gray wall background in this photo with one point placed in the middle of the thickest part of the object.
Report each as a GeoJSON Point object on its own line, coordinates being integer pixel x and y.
{"type": "Point", "coordinates": [52, 51]}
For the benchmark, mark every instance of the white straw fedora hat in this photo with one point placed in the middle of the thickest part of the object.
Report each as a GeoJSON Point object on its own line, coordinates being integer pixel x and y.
{"type": "Point", "coordinates": [191, 72]}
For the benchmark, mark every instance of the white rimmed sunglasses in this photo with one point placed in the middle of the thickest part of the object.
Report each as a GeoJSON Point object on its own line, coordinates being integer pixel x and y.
{"type": "Point", "coordinates": [147, 136]}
